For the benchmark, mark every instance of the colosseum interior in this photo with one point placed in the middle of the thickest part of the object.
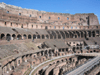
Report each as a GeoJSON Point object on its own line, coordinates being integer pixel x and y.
{"type": "Point", "coordinates": [36, 42]}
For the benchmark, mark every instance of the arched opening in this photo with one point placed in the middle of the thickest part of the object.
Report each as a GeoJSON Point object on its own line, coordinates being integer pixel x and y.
{"type": "Point", "coordinates": [94, 50]}
{"type": "Point", "coordinates": [22, 26]}
{"type": "Point", "coordinates": [97, 33]}
{"type": "Point", "coordinates": [93, 34]}
{"type": "Point", "coordinates": [14, 36]}
{"type": "Point", "coordinates": [34, 37]}
{"type": "Point", "coordinates": [42, 36]}
{"type": "Point", "coordinates": [81, 34]}
{"type": "Point", "coordinates": [75, 36]}
{"type": "Point", "coordinates": [46, 27]}
{"type": "Point", "coordinates": [51, 37]}
{"type": "Point", "coordinates": [54, 34]}
{"type": "Point", "coordinates": [71, 34]}
{"type": "Point", "coordinates": [85, 35]}
{"type": "Point", "coordinates": [59, 36]}
{"type": "Point", "coordinates": [25, 37]}
{"type": "Point", "coordinates": [19, 37]}
{"type": "Point", "coordinates": [63, 35]}
{"type": "Point", "coordinates": [60, 71]}
{"type": "Point", "coordinates": [40, 72]}
{"type": "Point", "coordinates": [78, 34]}
{"type": "Point", "coordinates": [89, 33]}
{"type": "Point", "coordinates": [8, 37]}
{"type": "Point", "coordinates": [47, 36]}
{"type": "Point", "coordinates": [12, 67]}
{"type": "Point", "coordinates": [57, 62]}
{"type": "Point", "coordinates": [70, 59]}
{"type": "Point", "coordinates": [67, 35]}
{"type": "Point", "coordinates": [38, 36]}
{"type": "Point", "coordinates": [62, 60]}
{"type": "Point", "coordinates": [2, 37]}
{"type": "Point", "coordinates": [29, 36]}
{"type": "Point", "coordinates": [51, 72]}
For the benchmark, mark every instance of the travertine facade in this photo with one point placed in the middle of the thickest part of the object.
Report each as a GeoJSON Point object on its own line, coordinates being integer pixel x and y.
{"type": "Point", "coordinates": [44, 43]}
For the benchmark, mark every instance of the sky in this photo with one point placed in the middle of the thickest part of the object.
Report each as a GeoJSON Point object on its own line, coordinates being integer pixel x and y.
{"type": "Point", "coordinates": [59, 6]}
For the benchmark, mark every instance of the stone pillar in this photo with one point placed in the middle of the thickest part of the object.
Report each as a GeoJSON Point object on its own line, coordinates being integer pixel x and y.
{"type": "Point", "coordinates": [43, 53]}
{"type": "Point", "coordinates": [45, 37]}
{"type": "Point", "coordinates": [4, 70]}
{"type": "Point", "coordinates": [48, 54]}
{"type": "Point", "coordinates": [9, 65]}
{"type": "Point", "coordinates": [36, 37]}
{"type": "Point", "coordinates": [91, 34]}
{"type": "Point", "coordinates": [12, 38]}
{"type": "Point", "coordinates": [23, 37]}
{"type": "Point", "coordinates": [40, 54]}
{"type": "Point", "coordinates": [7, 70]}
{"type": "Point", "coordinates": [31, 37]}
{"type": "Point", "coordinates": [12, 64]}
{"type": "Point", "coordinates": [87, 33]}
{"type": "Point", "coordinates": [25, 59]}
{"type": "Point", "coordinates": [52, 54]}
{"type": "Point", "coordinates": [80, 34]}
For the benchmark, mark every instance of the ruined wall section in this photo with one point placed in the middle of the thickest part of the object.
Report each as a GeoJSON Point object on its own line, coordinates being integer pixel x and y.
{"type": "Point", "coordinates": [28, 16]}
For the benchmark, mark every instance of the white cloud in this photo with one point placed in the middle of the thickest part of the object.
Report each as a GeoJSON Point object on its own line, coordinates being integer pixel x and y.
{"type": "Point", "coordinates": [67, 10]}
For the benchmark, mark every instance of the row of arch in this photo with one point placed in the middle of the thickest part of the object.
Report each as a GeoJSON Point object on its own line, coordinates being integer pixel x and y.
{"type": "Point", "coordinates": [20, 37]}
{"type": "Point", "coordinates": [73, 34]}
{"type": "Point", "coordinates": [52, 34]}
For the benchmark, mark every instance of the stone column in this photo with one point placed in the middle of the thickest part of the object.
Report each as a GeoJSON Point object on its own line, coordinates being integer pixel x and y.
{"type": "Point", "coordinates": [23, 37]}
{"type": "Point", "coordinates": [40, 54]}
{"type": "Point", "coordinates": [4, 70]}
{"type": "Point", "coordinates": [43, 53]}
{"type": "Point", "coordinates": [12, 64]}
{"type": "Point", "coordinates": [7, 70]}
{"type": "Point", "coordinates": [25, 59]}
{"type": "Point", "coordinates": [12, 37]}
{"type": "Point", "coordinates": [52, 54]}
{"type": "Point", "coordinates": [31, 37]}
{"type": "Point", "coordinates": [87, 33]}
{"type": "Point", "coordinates": [48, 54]}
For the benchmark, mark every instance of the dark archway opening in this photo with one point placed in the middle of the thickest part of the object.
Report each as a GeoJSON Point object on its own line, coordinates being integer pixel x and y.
{"type": "Point", "coordinates": [34, 37]}
{"type": "Point", "coordinates": [93, 34]}
{"type": "Point", "coordinates": [14, 36]}
{"type": "Point", "coordinates": [8, 37]}
{"type": "Point", "coordinates": [2, 36]}
{"type": "Point", "coordinates": [51, 72]}
{"type": "Point", "coordinates": [25, 37]}
{"type": "Point", "coordinates": [43, 37]}
{"type": "Point", "coordinates": [38, 36]}
{"type": "Point", "coordinates": [29, 36]}
{"type": "Point", "coordinates": [19, 37]}
{"type": "Point", "coordinates": [46, 27]}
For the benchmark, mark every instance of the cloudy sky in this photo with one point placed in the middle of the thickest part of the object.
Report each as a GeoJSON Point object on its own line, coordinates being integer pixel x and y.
{"type": "Point", "coordinates": [59, 6]}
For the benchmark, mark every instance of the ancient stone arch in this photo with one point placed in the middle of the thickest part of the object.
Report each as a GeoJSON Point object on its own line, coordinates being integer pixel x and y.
{"type": "Point", "coordinates": [25, 36]}
{"type": "Point", "coordinates": [8, 37]}
{"type": "Point", "coordinates": [19, 37]}
{"type": "Point", "coordinates": [14, 36]}
{"type": "Point", "coordinates": [2, 36]}
{"type": "Point", "coordinates": [29, 36]}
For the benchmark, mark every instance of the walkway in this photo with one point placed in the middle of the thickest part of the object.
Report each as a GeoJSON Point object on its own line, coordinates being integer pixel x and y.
{"type": "Point", "coordinates": [49, 61]}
